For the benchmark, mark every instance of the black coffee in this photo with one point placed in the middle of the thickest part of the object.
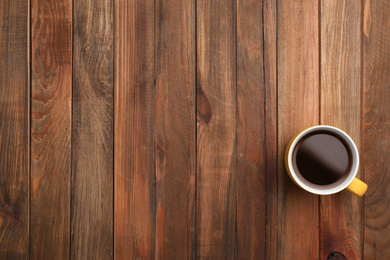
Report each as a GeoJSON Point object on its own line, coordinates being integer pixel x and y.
{"type": "Point", "coordinates": [322, 158]}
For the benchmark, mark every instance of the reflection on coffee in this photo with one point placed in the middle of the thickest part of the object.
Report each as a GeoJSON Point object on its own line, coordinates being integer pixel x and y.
{"type": "Point", "coordinates": [322, 158]}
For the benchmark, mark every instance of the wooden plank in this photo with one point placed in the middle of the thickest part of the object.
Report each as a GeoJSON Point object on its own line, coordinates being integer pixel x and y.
{"type": "Point", "coordinates": [175, 128]}
{"type": "Point", "coordinates": [251, 129]}
{"type": "Point", "coordinates": [298, 108]}
{"type": "Point", "coordinates": [376, 125]}
{"type": "Point", "coordinates": [340, 214]}
{"type": "Point", "coordinates": [271, 144]}
{"type": "Point", "coordinates": [216, 114]}
{"type": "Point", "coordinates": [14, 130]}
{"type": "Point", "coordinates": [51, 128]}
{"type": "Point", "coordinates": [92, 131]}
{"type": "Point", "coordinates": [134, 126]}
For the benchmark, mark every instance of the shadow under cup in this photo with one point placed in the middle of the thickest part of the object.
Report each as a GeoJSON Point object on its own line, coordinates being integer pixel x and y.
{"type": "Point", "coordinates": [322, 160]}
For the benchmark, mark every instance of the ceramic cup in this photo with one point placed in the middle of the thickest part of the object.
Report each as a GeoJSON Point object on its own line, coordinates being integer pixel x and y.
{"type": "Point", "coordinates": [317, 153]}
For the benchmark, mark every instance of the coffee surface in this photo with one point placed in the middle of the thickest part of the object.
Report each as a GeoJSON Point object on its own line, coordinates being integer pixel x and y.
{"type": "Point", "coordinates": [322, 158]}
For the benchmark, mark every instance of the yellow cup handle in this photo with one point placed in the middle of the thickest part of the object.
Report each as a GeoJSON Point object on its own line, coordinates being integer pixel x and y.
{"type": "Point", "coordinates": [358, 187]}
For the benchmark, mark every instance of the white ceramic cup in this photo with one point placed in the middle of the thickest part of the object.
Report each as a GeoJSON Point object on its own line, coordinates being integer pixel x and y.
{"type": "Point", "coordinates": [349, 181]}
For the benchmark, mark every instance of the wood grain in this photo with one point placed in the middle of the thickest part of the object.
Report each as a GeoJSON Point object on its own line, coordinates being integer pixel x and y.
{"type": "Point", "coordinates": [271, 133]}
{"type": "Point", "coordinates": [157, 129]}
{"type": "Point", "coordinates": [340, 214]}
{"type": "Point", "coordinates": [251, 128]}
{"type": "Point", "coordinates": [175, 145]}
{"type": "Point", "coordinates": [92, 131]}
{"type": "Point", "coordinates": [14, 130]}
{"type": "Point", "coordinates": [134, 126]}
{"type": "Point", "coordinates": [216, 113]}
{"type": "Point", "coordinates": [376, 125]}
{"type": "Point", "coordinates": [51, 24]}
{"type": "Point", "coordinates": [298, 108]}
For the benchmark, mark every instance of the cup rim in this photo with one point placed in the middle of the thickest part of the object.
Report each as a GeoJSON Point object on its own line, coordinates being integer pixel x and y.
{"type": "Point", "coordinates": [322, 189]}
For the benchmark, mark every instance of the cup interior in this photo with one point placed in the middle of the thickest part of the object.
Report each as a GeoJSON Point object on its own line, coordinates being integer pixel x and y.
{"type": "Point", "coordinates": [334, 187]}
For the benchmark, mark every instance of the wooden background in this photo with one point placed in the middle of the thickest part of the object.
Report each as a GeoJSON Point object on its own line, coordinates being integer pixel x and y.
{"type": "Point", "coordinates": [156, 129]}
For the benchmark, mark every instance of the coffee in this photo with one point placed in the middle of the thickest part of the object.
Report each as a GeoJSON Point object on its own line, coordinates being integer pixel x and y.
{"type": "Point", "coordinates": [322, 158]}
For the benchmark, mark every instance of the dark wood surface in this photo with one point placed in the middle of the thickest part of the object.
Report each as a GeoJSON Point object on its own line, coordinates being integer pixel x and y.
{"type": "Point", "coordinates": [340, 104]}
{"type": "Point", "coordinates": [375, 128]}
{"type": "Point", "coordinates": [134, 215]}
{"type": "Point", "coordinates": [92, 193]}
{"type": "Point", "coordinates": [298, 108]}
{"type": "Point", "coordinates": [175, 132]}
{"type": "Point", "coordinates": [216, 133]}
{"type": "Point", "coordinates": [51, 117]}
{"type": "Point", "coordinates": [251, 134]}
{"type": "Point", "coordinates": [14, 129]}
{"type": "Point", "coordinates": [157, 129]}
